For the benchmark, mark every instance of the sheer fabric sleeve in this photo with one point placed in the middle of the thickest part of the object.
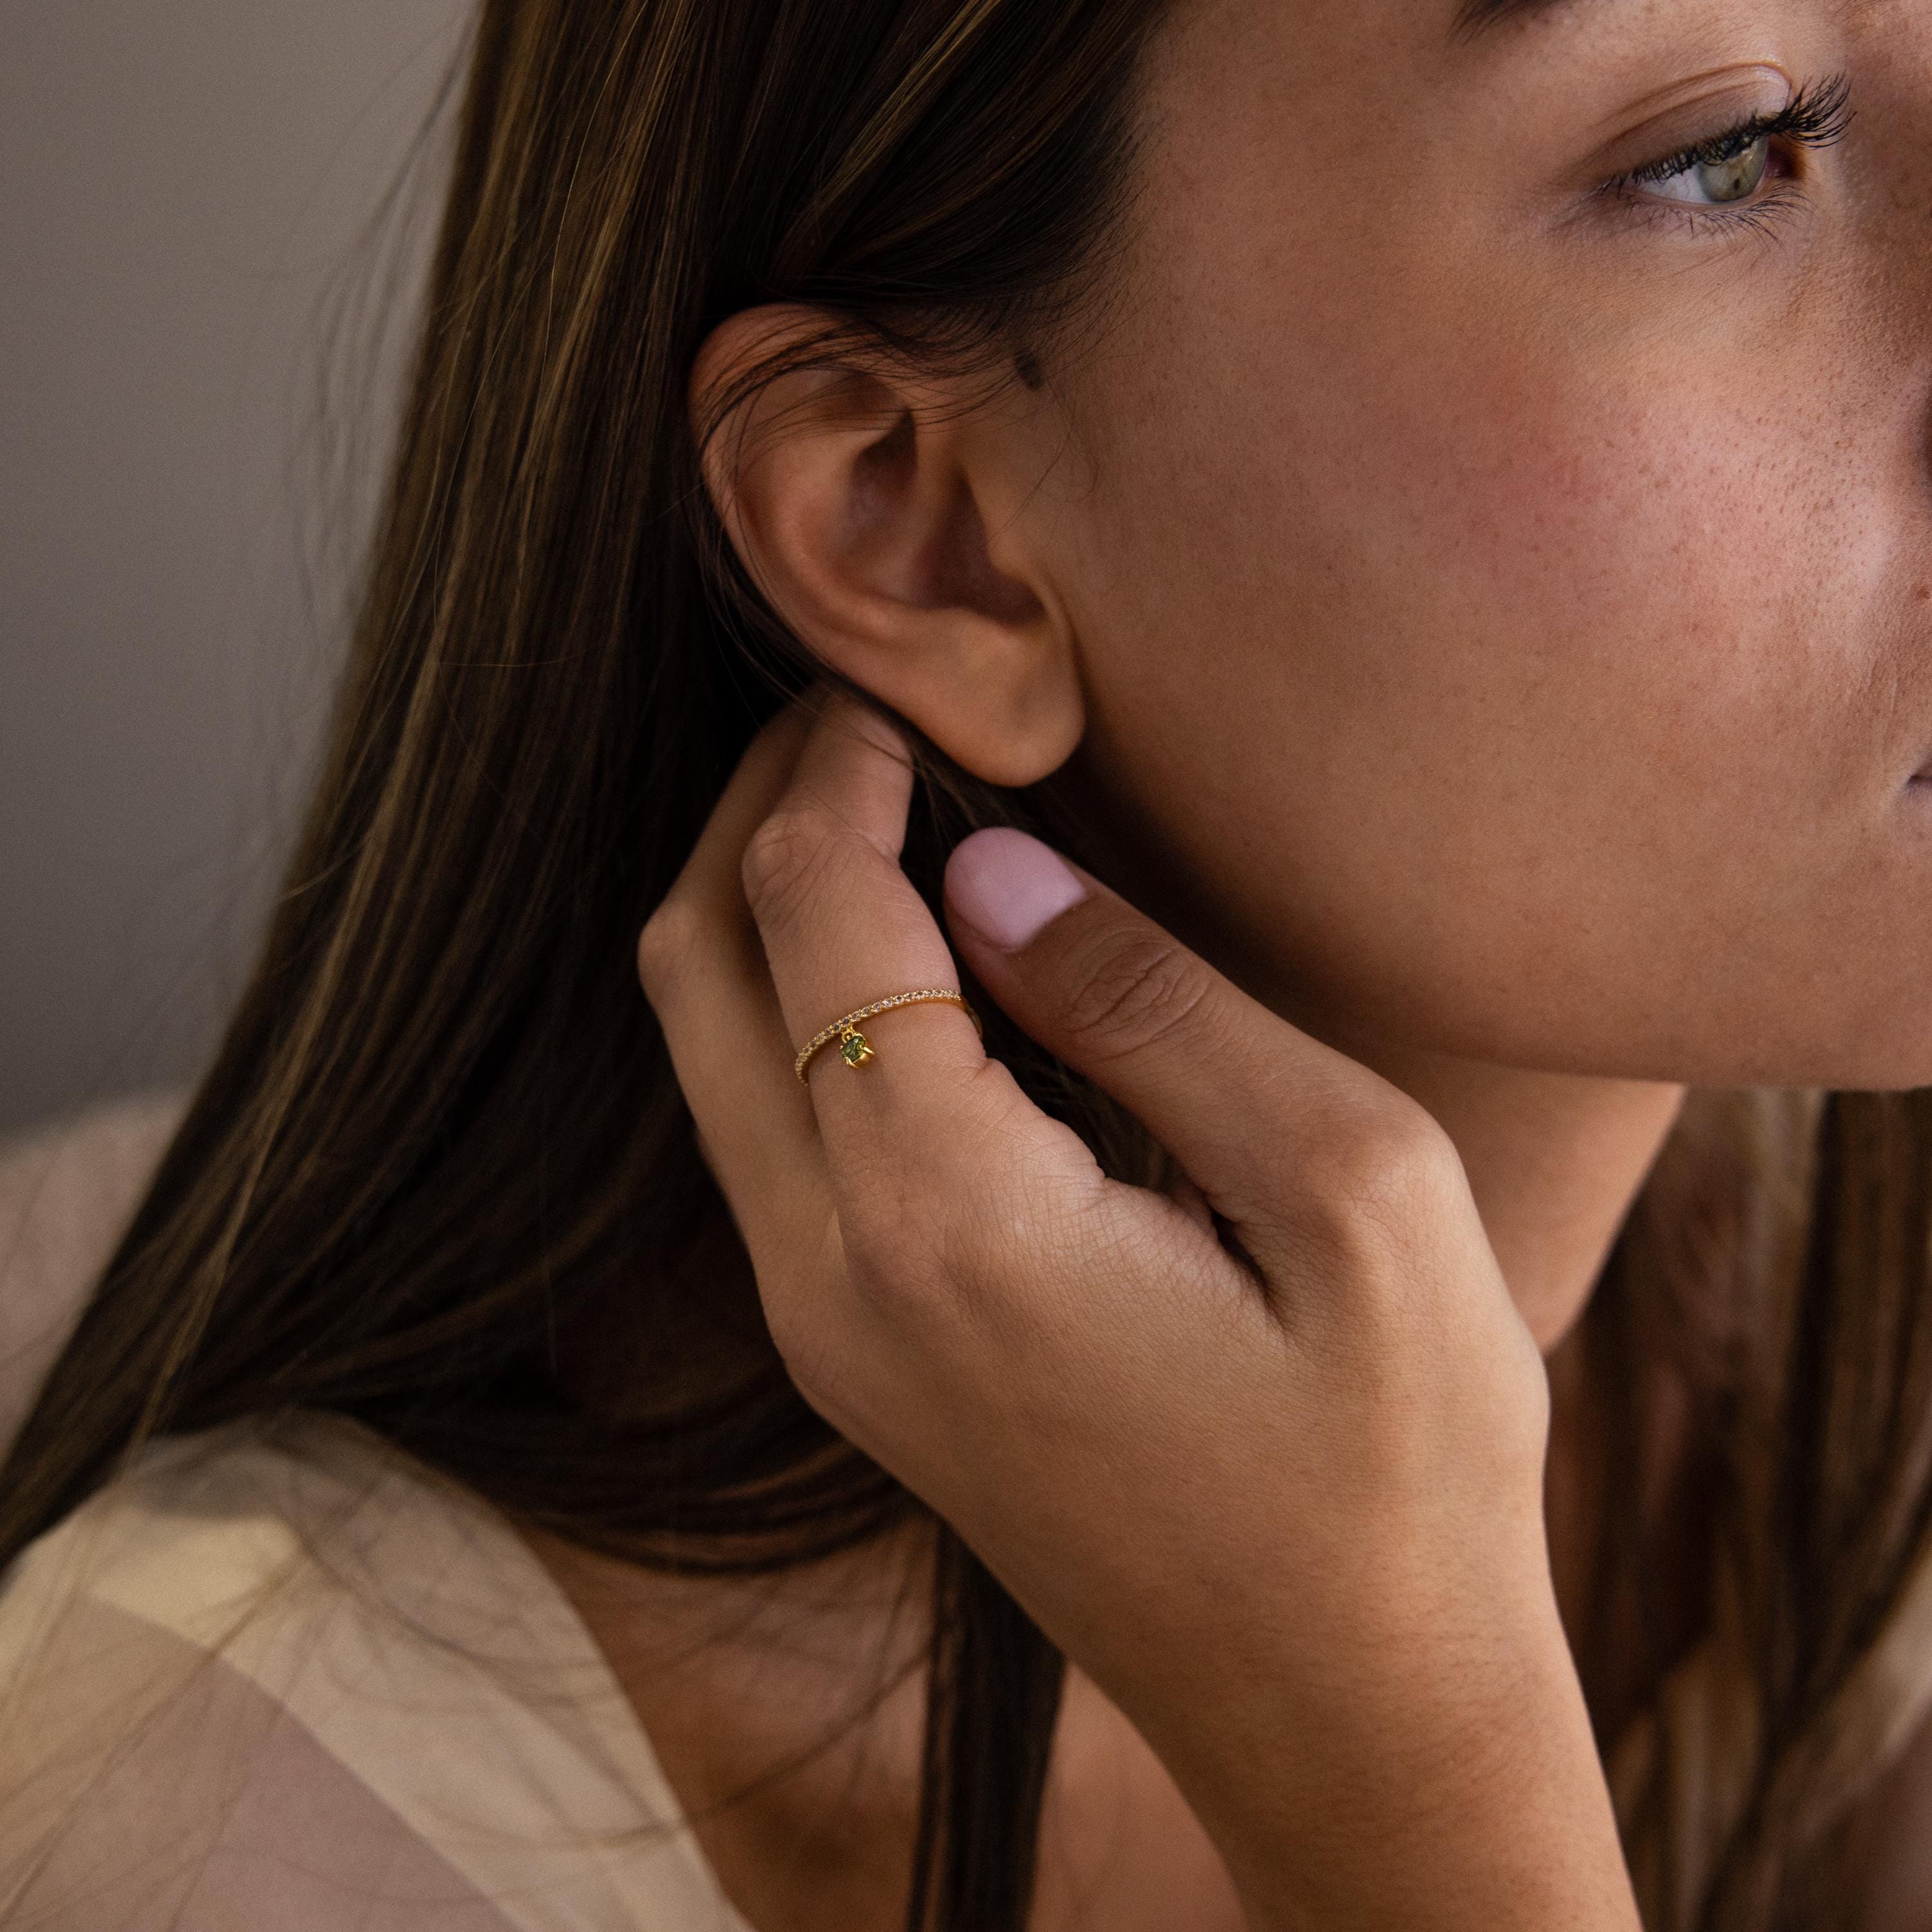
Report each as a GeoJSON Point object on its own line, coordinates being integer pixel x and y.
{"type": "Point", "coordinates": [150, 1787]}
{"type": "Point", "coordinates": [280, 1676]}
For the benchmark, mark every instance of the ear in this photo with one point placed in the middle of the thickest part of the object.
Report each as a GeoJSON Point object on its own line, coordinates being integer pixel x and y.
{"type": "Point", "coordinates": [896, 526]}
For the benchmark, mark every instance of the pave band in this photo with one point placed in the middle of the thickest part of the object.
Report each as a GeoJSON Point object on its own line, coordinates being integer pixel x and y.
{"type": "Point", "coordinates": [854, 1049]}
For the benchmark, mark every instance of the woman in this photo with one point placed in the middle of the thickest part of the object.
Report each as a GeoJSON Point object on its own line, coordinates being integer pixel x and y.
{"type": "Point", "coordinates": [1418, 1295]}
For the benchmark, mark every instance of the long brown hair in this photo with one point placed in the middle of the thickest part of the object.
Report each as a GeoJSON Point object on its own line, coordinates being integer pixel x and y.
{"type": "Point", "coordinates": [442, 1138]}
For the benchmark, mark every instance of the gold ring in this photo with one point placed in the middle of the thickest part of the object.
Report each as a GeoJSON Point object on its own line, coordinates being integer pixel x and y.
{"type": "Point", "coordinates": [854, 1049]}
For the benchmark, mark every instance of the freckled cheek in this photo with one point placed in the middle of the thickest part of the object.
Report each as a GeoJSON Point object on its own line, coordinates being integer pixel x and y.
{"type": "Point", "coordinates": [1596, 526]}
{"type": "Point", "coordinates": [1634, 571]}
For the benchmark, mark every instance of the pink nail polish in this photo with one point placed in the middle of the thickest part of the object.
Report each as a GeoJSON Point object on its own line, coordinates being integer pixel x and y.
{"type": "Point", "coordinates": [1007, 885]}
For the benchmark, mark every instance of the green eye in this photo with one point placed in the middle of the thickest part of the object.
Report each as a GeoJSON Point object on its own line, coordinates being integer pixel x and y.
{"type": "Point", "coordinates": [1711, 184]}
{"type": "Point", "coordinates": [1716, 183]}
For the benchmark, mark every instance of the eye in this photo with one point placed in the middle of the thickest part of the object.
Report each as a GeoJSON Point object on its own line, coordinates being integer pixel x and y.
{"type": "Point", "coordinates": [1721, 178]}
{"type": "Point", "coordinates": [1711, 184]}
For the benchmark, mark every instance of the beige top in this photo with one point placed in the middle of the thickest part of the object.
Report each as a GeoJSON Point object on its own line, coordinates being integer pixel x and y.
{"type": "Point", "coordinates": [281, 1675]}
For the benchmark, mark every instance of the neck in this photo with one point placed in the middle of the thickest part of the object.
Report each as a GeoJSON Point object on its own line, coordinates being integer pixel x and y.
{"type": "Point", "coordinates": [1554, 1160]}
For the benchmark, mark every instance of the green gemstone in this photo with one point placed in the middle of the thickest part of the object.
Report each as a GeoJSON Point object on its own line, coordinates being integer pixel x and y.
{"type": "Point", "coordinates": [855, 1049]}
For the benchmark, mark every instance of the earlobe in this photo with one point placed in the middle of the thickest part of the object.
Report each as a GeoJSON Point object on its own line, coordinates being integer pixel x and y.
{"type": "Point", "coordinates": [884, 516]}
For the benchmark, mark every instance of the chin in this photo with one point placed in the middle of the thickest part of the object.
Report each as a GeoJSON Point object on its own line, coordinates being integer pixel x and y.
{"type": "Point", "coordinates": [1885, 1060]}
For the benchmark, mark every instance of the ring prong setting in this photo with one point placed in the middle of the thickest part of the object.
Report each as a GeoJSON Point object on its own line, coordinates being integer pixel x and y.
{"type": "Point", "coordinates": [854, 1049]}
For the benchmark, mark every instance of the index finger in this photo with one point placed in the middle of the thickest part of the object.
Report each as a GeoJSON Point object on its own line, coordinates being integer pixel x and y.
{"type": "Point", "coordinates": [842, 927]}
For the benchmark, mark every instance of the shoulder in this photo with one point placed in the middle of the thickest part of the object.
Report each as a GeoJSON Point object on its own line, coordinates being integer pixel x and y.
{"type": "Point", "coordinates": [66, 1191]}
{"type": "Point", "coordinates": [279, 1674]}
{"type": "Point", "coordinates": [157, 1769]}
{"type": "Point", "coordinates": [149, 1784]}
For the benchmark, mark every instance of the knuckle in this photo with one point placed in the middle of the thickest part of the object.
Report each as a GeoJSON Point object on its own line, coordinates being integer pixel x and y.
{"type": "Point", "coordinates": [1381, 1157]}
{"type": "Point", "coordinates": [1136, 995]}
{"type": "Point", "coordinates": [907, 1295]}
{"type": "Point", "coordinates": [786, 857]}
{"type": "Point", "coordinates": [982, 1184]}
{"type": "Point", "coordinates": [933, 1242]}
{"type": "Point", "coordinates": [986, 1239]}
{"type": "Point", "coordinates": [887, 1212]}
{"type": "Point", "coordinates": [668, 948]}
{"type": "Point", "coordinates": [1375, 1191]}
{"type": "Point", "coordinates": [881, 1247]}
{"type": "Point", "coordinates": [1023, 1239]}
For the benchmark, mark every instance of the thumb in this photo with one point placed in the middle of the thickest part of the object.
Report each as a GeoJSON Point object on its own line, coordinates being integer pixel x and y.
{"type": "Point", "coordinates": [1258, 1113]}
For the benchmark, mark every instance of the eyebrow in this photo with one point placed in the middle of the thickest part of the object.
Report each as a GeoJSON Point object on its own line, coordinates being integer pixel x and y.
{"type": "Point", "coordinates": [1476, 17]}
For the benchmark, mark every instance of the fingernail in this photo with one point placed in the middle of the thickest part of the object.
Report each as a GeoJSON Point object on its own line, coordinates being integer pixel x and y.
{"type": "Point", "coordinates": [1007, 885]}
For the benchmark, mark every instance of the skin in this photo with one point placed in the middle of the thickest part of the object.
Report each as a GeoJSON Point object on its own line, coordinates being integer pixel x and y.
{"type": "Point", "coordinates": [1490, 618]}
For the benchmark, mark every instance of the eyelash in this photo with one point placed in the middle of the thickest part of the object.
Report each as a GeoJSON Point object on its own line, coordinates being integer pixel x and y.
{"type": "Point", "coordinates": [1811, 118]}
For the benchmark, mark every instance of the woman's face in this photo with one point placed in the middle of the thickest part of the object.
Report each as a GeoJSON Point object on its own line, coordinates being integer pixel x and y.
{"type": "Point", "coordinates": [1506, 598]}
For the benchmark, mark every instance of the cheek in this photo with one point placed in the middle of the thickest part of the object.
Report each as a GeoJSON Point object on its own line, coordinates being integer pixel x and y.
{"type": "Point", "coordinates": [1622, 589]}
{"type": "Point", "coordinates": [1538, 683]}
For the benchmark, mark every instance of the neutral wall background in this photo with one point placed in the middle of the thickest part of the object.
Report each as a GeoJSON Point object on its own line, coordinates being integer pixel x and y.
{"type": "Point", "coordinates": [186, 194]}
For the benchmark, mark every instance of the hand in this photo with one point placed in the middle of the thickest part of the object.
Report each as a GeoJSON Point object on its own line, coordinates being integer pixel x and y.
{"type": "Point", "coordinates": [1282, 1501]}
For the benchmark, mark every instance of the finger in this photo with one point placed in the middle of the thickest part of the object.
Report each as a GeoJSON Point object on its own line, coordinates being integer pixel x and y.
{"type": "Point", "coordinates": [842, 927]}
{"type": "Point", "coordinates": [704, 972]}
{"type": "Point", "coordinates": [1256, 1111]}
